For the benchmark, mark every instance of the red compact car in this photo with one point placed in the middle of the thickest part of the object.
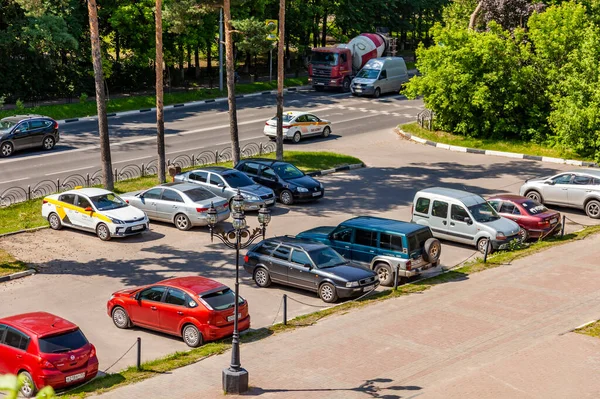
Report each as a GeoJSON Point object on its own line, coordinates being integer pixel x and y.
{"type": "Point", "coordinates": [46, 350]}
{"type": "Point", "coordinates": [196, 308]}
{"type": "Point", "coordinates": [535, 219]}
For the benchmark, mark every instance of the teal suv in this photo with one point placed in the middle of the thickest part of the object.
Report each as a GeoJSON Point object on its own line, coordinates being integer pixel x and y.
{"type": "Point", "coordinates": [384, 245]}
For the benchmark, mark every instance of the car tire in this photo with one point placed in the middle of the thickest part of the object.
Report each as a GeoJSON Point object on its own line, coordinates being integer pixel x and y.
{"type": "Point", "coordinates": [262, 278]}
{"type": "Point", "coordinates": [592, 209]}
{"type": "Point", "coordinates": [377, 93]}
{"type": "Point", "coordinates": [523, 234]}
{"type": "Point", "coordinates": [534, 195]}
{"type": "Point", "coordinates": [48, 143]}
{"type": "Point", "coordinates": [6, 149]}
{"type": "Point", "coordinates": [296, 138]}
{"type": "Point", "coordinates": [432, 250]}
{"type": "Point", "coordinates": [103, 232]}
{"type": "Point", "coordinates": [327, 293]}
{"type": "Point", "coordinates": [346, 85]}
{"type": "Point", "coordinates": [55, 222]}
{"type": "Point", "coordinates": [326, 131]}
{"type": "Point", "coordinates": [286, 197]}
{"type": "Point", "coordinates": [482, 243]}
{"type": "Point", "coordinates": [182, 222]}
{"type": "Point", "coordinates": [120, 318]}
{"type": "Point", "coordinates": [192, 336]}
{"type": "Point", "coordinates": [28, 389]}
{"type": "Point", "coordinates": [385, 274]}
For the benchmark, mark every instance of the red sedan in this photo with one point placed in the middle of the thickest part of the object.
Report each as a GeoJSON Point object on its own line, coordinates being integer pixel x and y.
{"type": "Point", "coordinates": [196, 308]}
{"type": "Point", "coordinates": [535, 219]}
{"type": "Point", "coordinates": [45, 349]}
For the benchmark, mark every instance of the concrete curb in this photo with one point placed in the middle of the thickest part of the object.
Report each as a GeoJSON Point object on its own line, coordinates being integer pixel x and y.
{"type": "Point", "coordinates": [495, 153]}
{"type": "Point", "coordinates": [63, 122]}
{"type": "Point", "coordinates": [338, 169]}
{"type": "Point", "coordinates": [15, 276]}
{"type": "Point", "coordinates": [23, 231]}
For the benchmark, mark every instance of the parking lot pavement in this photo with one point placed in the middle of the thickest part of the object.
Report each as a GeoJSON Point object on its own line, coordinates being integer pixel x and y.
{"type": "Point", "coordinates": [79, 272]}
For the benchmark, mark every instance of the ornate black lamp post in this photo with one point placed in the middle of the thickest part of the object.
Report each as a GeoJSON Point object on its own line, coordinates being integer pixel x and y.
{"type": "Point", "coordinates": [235, 378]}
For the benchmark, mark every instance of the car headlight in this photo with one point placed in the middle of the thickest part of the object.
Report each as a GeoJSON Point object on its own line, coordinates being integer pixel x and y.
{"type": "Point", "coordinates": [500, 236]}
{"type": "Point", "coordinates": [116, 221]}
{"type": "Point", "coordinates": [321, 185]}
{"type": "Point", "coordinates": [352, 284]}
{"type": "Point", "coordinates": [302, 190]}
{"type": "Point", "coordinates": [251, 198]}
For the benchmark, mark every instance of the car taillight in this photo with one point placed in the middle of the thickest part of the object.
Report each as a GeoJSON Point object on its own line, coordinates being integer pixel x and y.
{"type": "Point", "coordinates": [127, 201]}
{"type": "Point", "coordinates": [286, 126]}
{"type": "Point", "coordinates": [55, 125]}
{"type": "Point", "coordinates": [543, 223]}
{"type": "Point", "coordinates": [408, 266]}
{"type": "Point", "coordinates": [44, 201]}
{"type": "Point", "coordinates": [201, 209]}
{"type": "Point", "coordinates": [46, 364]}
{"type": "Point", "coordinates": [93, 351]}
{"type": "Point", "coordinates": [225, 205]}
{"type": "Point", "coordinates": [246, 258]}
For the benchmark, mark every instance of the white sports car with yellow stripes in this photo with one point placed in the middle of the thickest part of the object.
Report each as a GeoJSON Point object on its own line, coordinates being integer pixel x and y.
{"type": "Point", "coordinates": [95, 210]}
{"type": "Point", "coordinates": [297, 125]}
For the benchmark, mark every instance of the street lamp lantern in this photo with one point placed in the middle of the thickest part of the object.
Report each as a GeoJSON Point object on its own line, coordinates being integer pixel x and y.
{"type": "Point", "coordinates": [235, 378]}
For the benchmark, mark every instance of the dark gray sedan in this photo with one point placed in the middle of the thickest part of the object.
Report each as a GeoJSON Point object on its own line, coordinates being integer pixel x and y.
{"type": "Point", "coordinates": [183, 204]}
{"type": "Point", "coordinates": [226, 182]}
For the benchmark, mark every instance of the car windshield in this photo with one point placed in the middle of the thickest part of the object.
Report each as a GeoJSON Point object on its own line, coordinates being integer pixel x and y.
{"type": "Point", "coordinates": [63, 342]}
{"type": "Point", "coordinates": [5, 125]}
{"type": "Point", "coordinates": [327, 257]}
{"type": "Point", "coordinates": [237, 179]}
{"type": "Point", "coordinates": [533, 207]}
{"type": "Point", "coordinates": [287, 171]}
{"type": "Point", "coordinates": [483, 212]}
{"type": "Point", "coordinates": [198, 194]}
{"type": "Point", "coordinates": [319, 57]}
{"type": "Point", "coordinates": [286, 118]}
{"type": "Point", "coordinates": [221, 300]}
{"type": "Point", "coordinates": [107, 202]}
{"type": "Point", "coordinates": [368, 73]}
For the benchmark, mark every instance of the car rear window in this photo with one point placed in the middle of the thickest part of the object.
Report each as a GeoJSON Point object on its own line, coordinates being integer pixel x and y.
{"type": "Point", "coordinates": [533, 207]}
{"type": "Point", "coordinates": [198, 194]}
{"type": "Point", "coordinates": [221, 300]}
{"type": "Point", "coordinates": [416, 240]}
{"type": "Point", "coordinates": [286, 118]}
{"type": "Point", "coordinates": [63, 342]}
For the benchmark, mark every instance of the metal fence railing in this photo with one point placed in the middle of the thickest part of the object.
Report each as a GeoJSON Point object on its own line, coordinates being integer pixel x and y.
{"type": "Point", "coordinates": [425, 119]}
{"type": "Point", "coordinates": [16, 194]}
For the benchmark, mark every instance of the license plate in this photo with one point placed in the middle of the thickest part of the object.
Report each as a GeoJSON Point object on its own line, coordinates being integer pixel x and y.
{"type": "Point", "coordinates": [269, 202]}
{"type": "Point", "coordinates": [553, 221]}
{"type": "Point", "coordinates": [230, 318]}
{"type": "Point", "coordinates": [138, 227]}
{"type": "Point", "coordinates": [316, 194]}
{"type": "Point", "coordinates": [358, 90]}
{"type": "Point", "coordinates": [368, 288]}
{"type": "Point", "coordinates": [319, 84]}
{"type": "Point", "coordinates": [75, 377]}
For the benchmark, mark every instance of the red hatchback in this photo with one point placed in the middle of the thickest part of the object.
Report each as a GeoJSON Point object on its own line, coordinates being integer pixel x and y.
{"type": "Point", "coordinates": [535, 220]}
{"type": "Point", "coordinates": [46, 350]}
{"type": "Point", "coordinates": [196, 308]}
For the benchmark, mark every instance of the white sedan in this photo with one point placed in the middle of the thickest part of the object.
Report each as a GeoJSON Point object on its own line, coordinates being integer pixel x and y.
{"type": "Point", "coordinates": [297, 125]}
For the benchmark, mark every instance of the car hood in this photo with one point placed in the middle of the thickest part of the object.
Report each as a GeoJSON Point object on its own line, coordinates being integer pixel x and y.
{"type": "Point", "coordinates": [125, 213]}
{"type": "Point", "coordinates": [255, 189]}
{"type": "Point", "coordinates": [505, 226]}
{"type": "Point", "coordinates": [364, 81]}
{"type": "Point", "coordinates": [304, 181]}
{"type": "Point", "coordinates": [131, 194]}
{"type": "Point", "coordinates": [318, 233]}
{"type": "Point", "coordinates": [538, 179]}
{"type": "Point", "coordinates": [348, 272]}
{"type": "Point", "coordinates": [125, 292]}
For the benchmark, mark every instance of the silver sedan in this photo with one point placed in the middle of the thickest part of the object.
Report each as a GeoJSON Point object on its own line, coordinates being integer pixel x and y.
{"type": "Point", "coordinates": [576, 189]}
{"type": "Point", "coordinates": [183, 204]}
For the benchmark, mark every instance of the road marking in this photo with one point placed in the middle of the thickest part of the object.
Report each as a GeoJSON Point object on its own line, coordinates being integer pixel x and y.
{"type": "Point", "coordinates": [11, 181]}
{"type": "Point", "coordinates": [67, 171]}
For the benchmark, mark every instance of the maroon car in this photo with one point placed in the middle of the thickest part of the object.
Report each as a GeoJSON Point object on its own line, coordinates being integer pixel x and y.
{"type": "Point", "coordinates": [535, 219]}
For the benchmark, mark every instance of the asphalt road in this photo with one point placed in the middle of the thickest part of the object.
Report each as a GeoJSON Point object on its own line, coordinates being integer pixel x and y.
{"type": "Point", "coordinates": [191, 130]}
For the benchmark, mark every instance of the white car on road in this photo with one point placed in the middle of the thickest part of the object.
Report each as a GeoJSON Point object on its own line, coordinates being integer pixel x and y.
{"type": "Point", "coordinates": [96, 210]}
{"type": "Point", "coordinates": [297, 125]}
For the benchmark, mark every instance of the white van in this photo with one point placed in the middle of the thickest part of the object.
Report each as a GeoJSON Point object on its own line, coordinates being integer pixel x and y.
{"type": "Point", "coordinates": [380, 75]}
{"type": "Point", "coordinates": [463, 217]}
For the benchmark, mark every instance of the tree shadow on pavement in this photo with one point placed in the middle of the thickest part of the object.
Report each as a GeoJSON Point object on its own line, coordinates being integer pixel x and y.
{"type": "Point", "coordinates": [371, 388]}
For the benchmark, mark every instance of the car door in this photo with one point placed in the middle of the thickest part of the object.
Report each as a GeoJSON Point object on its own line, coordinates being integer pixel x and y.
{"type": "Point", "coordinates": [268, 178]}
{"type": "Point", "coordinates": [217, 185]}
{"type": "Point", "coordinates": [383, 81]}
{"type": "Point", "coordinates": [5, 351]}
{"type": "Point", "coordinates": [579, 189]}
{"type": "Point", "coordinates": [14, 347]}
{"type": "Point", "coordinates": [558, 192]}
{"type": "Point", "coordinates": [37, 130]}
{"type": "Point", "coordinates": [251, 169]}
{"type": "Point", "coordinates": [67, 208]}
{"type": "Point", "coordinates": [173, 310]}
{"type": "Point", "coordinates": [145, 311]}
{"type": "Point", "coordinates": [315, 128]}
{"type": "Point", "coordinates": [198, 177]}
{"type": "Point", "coordinates": [20, 137]}
{"type": "Point", "coordinates": [169, 204]}
{"type": "Point", "coordinates": [438, 222]}
{"type": "Point", "coordinates": [461, 227]}
{"type": "Point", "coordinates": [341, 241]}
{"type": "Point", "coordinates": [281, 262]}
{"type": "Point", "coordinates": [364, 246]}
{"type": "Point", "coordinates": [81, 217]}
{"type": "Point", "coordinates": [148, 201]}
{"type": "Point", "coordinates": [299, 274]}
{"type": "Point", "coordinates": [277, 271]}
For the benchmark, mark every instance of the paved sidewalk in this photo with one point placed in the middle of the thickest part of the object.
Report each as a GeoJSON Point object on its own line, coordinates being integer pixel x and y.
{"type": "Point", "coordinates": [502, 333]}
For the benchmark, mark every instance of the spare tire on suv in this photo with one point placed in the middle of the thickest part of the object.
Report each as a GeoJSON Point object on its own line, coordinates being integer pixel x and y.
{"type": "Point", "coordinates": [432, 250]}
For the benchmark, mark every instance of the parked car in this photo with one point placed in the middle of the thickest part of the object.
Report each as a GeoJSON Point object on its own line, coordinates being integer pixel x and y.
{"type": "Point", "coordinates": [45, 349]}
{"type": "Point", "coordinates": [576, 189]}
{"type": "Point", "coordinates": [183, 204]}
{"type": "Point", "coordinates": [197, 309]}
{"type": "Point", "coordinates": [95, 210]}
{"type": "Point", "coordinates": [380, 75]}
{"type": "Point", "coordinates": [309, 265]}
{"type": "Point", "coordinates": [27, 131]}
{"type": "Point", "coordinates": [464, 217]}
{"type": "Point", "coordinates": [298, 125]}
{"type": "Point", "coordinates": [288, 182]}
{"type": "Point", "coordinates": [383, 245]}
{"type": "Point", "coordinates": [225, 182]}
{"type": "Point", "coordinates": [535, 220]}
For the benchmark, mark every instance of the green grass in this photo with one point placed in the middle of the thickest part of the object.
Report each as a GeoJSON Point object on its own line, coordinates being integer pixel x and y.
{"type": "Point", "coordinates": [519, 147]}
{"type": "Point", "coordinates": [592, 329]}
{"type": "Point", "coordinates": [27, 215]}
{"type": "Point", "coordinates": [9, 265]}
{"type": "Point", "coordinates": [78, 110]}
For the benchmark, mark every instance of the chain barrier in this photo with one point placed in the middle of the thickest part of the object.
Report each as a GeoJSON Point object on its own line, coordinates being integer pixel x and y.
{"type": "Point", "coordinates": [278, 310]}
{"type": "Point", "coordinates": [580, 224]}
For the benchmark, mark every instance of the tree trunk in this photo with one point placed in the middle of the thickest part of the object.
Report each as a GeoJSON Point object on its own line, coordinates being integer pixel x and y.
{"type": "Point", "coordinates": [474, 16]}
{"type": "Point", "coordinates": [280, 77]}
{"type": "Point", "coordinates": [107, 173]}
{"type": "Point", "coordinates": [233, 126]}
{"type": "Point", "coordinates": [181, 60]}
{"type": "Point", "coordinates": [160, 116]}
{"type": "Point", "coordinates": [189, 60]}
{"type": "Point", "coordinates": [197, 62]}
{"type": "Point", "coordinates": [209, 57]}
{"type": "Point", "coordinates": [324, 30]}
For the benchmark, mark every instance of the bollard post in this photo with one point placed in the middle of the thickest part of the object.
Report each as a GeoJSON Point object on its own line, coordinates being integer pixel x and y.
{"type": "Point", "coordinates": [284, 309]}
{"type": "Point", "coordinates": [139, 353]}
{"type": "Point", "coordinates": [396, 277]}
{"type": "Point", "coordinates": [562, 228]}
{"type": "Point", "coordinates": [485, 252]}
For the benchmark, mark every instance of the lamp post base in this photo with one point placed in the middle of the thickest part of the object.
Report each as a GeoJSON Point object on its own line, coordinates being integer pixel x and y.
{"type": "Point", "coordinates": [235, 381]}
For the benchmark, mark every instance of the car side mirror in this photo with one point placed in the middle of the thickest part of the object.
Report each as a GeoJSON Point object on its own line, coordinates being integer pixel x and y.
{"type": "Point", "coordinates": [89, 209]}
{"type": "Point", "coordinates": [550, 182]}
{"type": "Point", "coordinates": [137, 296]}
{"type": "Point", "coordinates": [17, 131]}
{"type": "Point", "coordinates": [308, 266]}
{"type": "Point", "coordinates": [220, 185]}
{"type": "Point", "coordinates": [468, 221]}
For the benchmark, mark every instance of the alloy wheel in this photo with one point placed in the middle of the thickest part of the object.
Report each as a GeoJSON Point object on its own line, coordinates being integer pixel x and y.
{"type": "Point", "coordinates": [191, 335]}
{"type": "Point", "coordinates": [383, 273]}
{"type": "Point", "coordinates": [120, 318]}
{"type": "Point", "coordinates": [327, 292]}
{"type": "Point", "coordinates": [261, 277]}
{"type": "Point", "coordinates": [103, 232]}
{"type": "Point", "coordinates": [286, 197]}
{"type": "Point", "coordinates": [593, 209]}
{"type": "Point", "coordinates": [6, 150]}
{"type": "Point", "coordinates": [534, 195]}
{"type": "Point", "coordinates": [54, 221]}
{"type": "Point", "coordinates": [482, 244]}
{"type": "Point", "coordinates": [297, 137]}
{"type": "Point", "coordinates": [48, 143]}
{"type": "Point", "coordinates": [182, 222]}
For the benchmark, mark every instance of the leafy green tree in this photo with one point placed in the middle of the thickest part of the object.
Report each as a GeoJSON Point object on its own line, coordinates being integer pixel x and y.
{"type": "Point", "coordinates": [251, 36]}
{"type": "Point", "coordinates": [12, 384]}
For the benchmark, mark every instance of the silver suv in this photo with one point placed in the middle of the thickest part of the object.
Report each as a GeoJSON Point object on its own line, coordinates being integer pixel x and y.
{"type": "Point", "coordinates": [576, 189]}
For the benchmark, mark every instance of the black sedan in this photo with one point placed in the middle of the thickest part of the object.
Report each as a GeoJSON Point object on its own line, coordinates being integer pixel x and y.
{"type": "Point", "coordinates": [289, 183]}
{"type": "Point", "coordinates": [308, 265]}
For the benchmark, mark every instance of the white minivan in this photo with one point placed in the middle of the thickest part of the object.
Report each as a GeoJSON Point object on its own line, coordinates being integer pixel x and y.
{"type": "Point", "coordinates": [380, 75]}
{"type": "Point", "coordinates": [464, 217]}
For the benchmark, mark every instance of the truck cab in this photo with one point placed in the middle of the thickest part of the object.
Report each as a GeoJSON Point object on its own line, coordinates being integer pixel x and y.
{"type": "Point", "coordinates": [330, 67]}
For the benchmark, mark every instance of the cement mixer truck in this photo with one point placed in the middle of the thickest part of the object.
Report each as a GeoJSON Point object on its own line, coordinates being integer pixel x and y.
{"type": "Point", "coordinates": [336, 66]}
